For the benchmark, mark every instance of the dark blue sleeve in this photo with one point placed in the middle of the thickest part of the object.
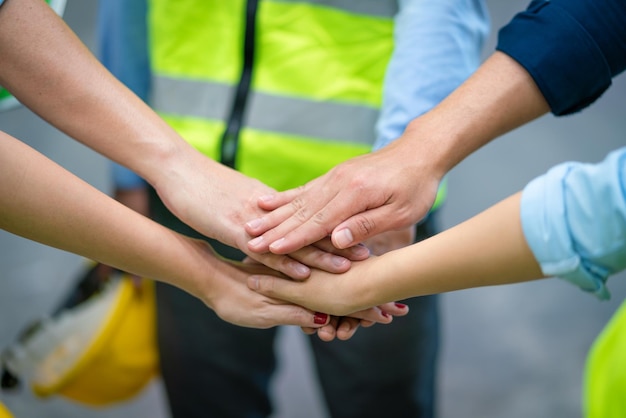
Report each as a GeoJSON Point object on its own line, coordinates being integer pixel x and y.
{"type": "Point", "coordinates": [571, 48]}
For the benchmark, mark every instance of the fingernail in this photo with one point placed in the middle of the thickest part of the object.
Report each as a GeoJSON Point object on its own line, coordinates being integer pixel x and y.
{"type": "Point", "coordinates": [360, 250]}
{"type": "Point", "coordinates": [256, 241]}
{"type": "Point", "coordinates": [400, 305]}
{"type": "Point", "coordinates": [344, 238]}
{"type": "Point", "coordinates": [276, 244]}
{"type": "Point", "coordinates": [255, 223]}
{"type": "Point", "coordinates": [253, 282]}
{"type": "Point", "coordinates": [267, 198]}
{"type": "Point", "coordinates": [320, 318]}
{"type": "Point", "coordinates": [385, 314]}
{"type": "Point", "coordinates": [338, 261]}
{"type": "Point", "coordinates": [302, 269]}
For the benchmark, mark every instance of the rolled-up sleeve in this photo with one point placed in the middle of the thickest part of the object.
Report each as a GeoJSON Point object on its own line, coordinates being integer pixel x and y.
{"type": "Point", "coordinates": [571, 48]}
{"type": "Point", "coordinates": [574, 220]}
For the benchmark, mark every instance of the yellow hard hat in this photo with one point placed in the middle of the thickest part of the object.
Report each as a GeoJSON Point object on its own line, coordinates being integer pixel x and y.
{"type": "Point", "coordinates": [4, 412]}
{"type": "Point", "coordinates": [101, 351]}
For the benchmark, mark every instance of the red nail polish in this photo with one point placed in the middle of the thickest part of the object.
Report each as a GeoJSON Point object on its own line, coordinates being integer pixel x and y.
{"type": "Point", "coordinates": [400, 305]}
{"type": "Point", "coordinates": [385, 314]}
{"type": "Point", "coordinates": [320, 318]}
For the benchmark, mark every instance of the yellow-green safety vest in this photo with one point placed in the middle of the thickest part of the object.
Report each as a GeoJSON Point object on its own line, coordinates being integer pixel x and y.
{"type": "Point", "coordinates": [604, 389]}
{"type": "Point", "coordinates": [281, 90]}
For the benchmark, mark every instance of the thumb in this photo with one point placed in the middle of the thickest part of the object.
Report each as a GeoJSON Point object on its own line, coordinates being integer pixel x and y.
{"type": "Point", "coordinates": [362, 226]}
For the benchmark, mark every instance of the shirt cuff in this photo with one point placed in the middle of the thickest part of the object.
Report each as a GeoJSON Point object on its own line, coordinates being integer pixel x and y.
{"type": "Point", "coordinates": [547, 231]}
{"type": "Point", "coordinates": [561, 56]}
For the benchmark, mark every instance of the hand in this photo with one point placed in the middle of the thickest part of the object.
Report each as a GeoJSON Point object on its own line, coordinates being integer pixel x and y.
{"type": "Point", "coordinates": [217, 201]}
{"type": "Point", "coordinates": [388, 189]}
{"type": "Point", "coordinates": [336, 294]}
{"type": "Point", "coordinates": [223, 288]}
{"type": "Point", "coordinates": [345, 327]}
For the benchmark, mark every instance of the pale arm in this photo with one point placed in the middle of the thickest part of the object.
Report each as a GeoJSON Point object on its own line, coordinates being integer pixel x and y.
{"type": "Point", "coordinates": [559, 55]}
{"type": "Point", "coordinates": [48, 69]}
{"type": "Point", "coordinates": [43, 202]}
{"type": "Point", "coordinates": [396, 186]}
{"type": "Point", "coordinates": [490, 249]}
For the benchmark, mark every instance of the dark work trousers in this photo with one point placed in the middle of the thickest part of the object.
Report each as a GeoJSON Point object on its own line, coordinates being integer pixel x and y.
{"type": "Point", "coordinates": [214, 369]}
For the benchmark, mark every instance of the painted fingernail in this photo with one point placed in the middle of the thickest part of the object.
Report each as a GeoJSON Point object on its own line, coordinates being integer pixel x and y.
{"type": "Point", "coordinates": [400, 305]}
{"type": "Point", "coordinates": [320, 318]}
{"type": "Point", "coordinates": [344, 238]}
{"type": "Point", "coordinates": [385, 314]}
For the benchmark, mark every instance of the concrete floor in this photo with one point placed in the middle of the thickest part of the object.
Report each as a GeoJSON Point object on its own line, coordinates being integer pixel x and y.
{"type": "Point", "coordinates": [513, 351]}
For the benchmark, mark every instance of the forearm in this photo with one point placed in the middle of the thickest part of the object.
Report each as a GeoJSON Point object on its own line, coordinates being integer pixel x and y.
{"type": "Point", "coordinates": [488, 249]}
{"type": "Point", "coordinates": [49, 70]}
{"type": "Point", "coordinates": [43, 202]}
{"type": "Point", "coordinates": [499, 97]}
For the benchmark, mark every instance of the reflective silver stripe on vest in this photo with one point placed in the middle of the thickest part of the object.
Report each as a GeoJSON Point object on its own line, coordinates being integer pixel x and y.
{"type": "Point", "coordinates": [287, 115]}
{"type": "Point", "coordinates": [380, 8]}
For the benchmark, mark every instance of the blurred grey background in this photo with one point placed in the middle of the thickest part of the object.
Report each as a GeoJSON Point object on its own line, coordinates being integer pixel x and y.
{"type": "Point", "coordinates": [514, 351]}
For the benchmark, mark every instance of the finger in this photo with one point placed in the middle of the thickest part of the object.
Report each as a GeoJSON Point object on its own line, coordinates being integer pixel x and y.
{"type": "Point", "coordinates": [274, 287]}
{"type": "Point", "coordinates": [308, 330]}
{"type": "Point", "coordinates": [309, 221]}
{"type": "Point", "coordinates": [313, 256]}
{"type": "Point", "coordinates": [347, 328]}
{"type": "Point", "coordinates": [328, 332]}
{"type": "Point", "coordinates": [395, 308]}
{"type": "Point", "coordinates": [355, 253]}
{"type": "Point", "coordinates": [366, 324]}
{"type": "Point", "coordinates": [307, 227]}
{"type": "Point", "coordinates": [273, 201]}
{"type": "Point", "coordinates": [364, 225]}
{"type": "Point", "coordinates": [322, 255]}
{"type": "Point", "coordinates": [374, 315]}
{"type": "Point", "coordinates": [284, 264]}
{"type": "Point", "coordinates": [284, 314]}
{"type": "Point", "coordinates": [280, 223]}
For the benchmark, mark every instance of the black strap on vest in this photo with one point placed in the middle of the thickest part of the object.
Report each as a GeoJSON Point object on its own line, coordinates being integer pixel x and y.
{"type": "Point", "coordinates": [230, 137]}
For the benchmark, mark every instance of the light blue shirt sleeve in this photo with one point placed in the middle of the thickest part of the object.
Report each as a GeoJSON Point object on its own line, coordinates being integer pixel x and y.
{"type": "Point", "coordinates": [438, 45]}
{"type": "Point", "coordinates": [122, 45]}
{"type": "Point", "coordinates": [1, 1]}
{"type": "Point", "coordinates": [574, 220]}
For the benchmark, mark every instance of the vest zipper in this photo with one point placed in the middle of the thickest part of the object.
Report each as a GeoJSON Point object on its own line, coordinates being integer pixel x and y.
{"type": "Point", "coordinates": [230, 137]}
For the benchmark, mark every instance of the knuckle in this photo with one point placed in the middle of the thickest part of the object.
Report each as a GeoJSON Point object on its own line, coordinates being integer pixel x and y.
{"type": "Point", "coordinates": [365, 226]}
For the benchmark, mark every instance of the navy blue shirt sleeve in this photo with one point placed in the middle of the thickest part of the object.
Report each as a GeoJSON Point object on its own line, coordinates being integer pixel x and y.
{"type": "Point", "coordinates": [571, 48]}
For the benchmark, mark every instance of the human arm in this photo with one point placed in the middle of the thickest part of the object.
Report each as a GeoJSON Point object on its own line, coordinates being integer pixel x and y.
{"type": "Point", "coordinates": [50, 71]}
{"type": "Point", "coordinates": [43, 202]}
{"type": "Point", "coordinates": [570, 222]}
{"type": "Point", "coordinates": [378, 191]}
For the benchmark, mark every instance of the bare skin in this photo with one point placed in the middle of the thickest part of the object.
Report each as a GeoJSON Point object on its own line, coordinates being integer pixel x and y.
{"type": "Point", "coordinates": [110, 119]}
{"type": "Point", "coordinates": [489, 249]}
{"type": "Point", "coordinates": [49, 70]}
{"type": "Point", "coordinates": [396, 185]}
